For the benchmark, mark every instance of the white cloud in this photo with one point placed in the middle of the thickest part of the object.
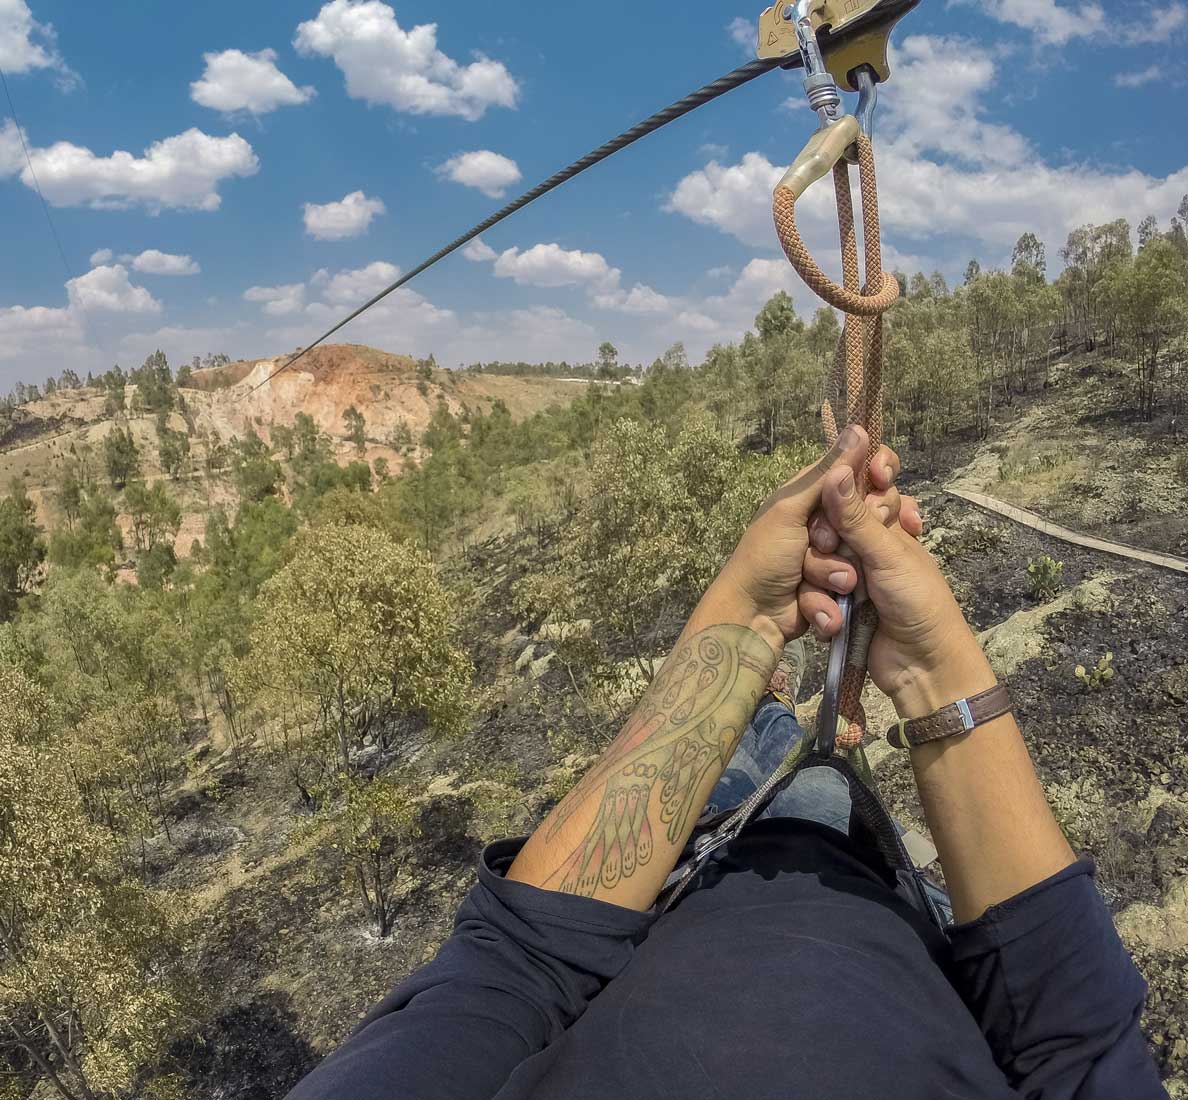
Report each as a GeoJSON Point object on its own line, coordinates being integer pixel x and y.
{"type": "Point", "coordinates": [488, 172]}
{"type": "Point", "coordinates": [181, 172]}
{"type": "Point", "coordinates": [1056, 24]}
{"type": "Point", "coordinates": [351, 216]}
{"type": "Point", "coordinates": [278, 301]}
{"type": "Point", "coordinates": [50, 334]}
{"type": "Point", "coordinates": [1155, 25]}
{"type": "Point", "coordinates": [640, 299]}
{"type": "Point", "coordinates": [385, 64]}
{"type": "Point", "coordinates": [26, 45]}
{"type": "Point", "coordinates": [479, 252]}
{"type": "Point", "coordinates": [102, 256]}
{"type": "Point", "coordinates": [108, 289]}
{"type": "Point", "coordinates": [744, 33]}
{"type": "Point", "coordinates": [1050, 22]}
{"type": "Point", "coordinates": [180, 343]}
{"type": "Point", "coordinates": [954, 184]}
{"type": "Point", "coordinates": [918, 119]}
{"type": "Point", "coordinates": [725, 317]}
{"type": "Point", "coordinates": [153, 262]}
{"type": "Point", "coordinates": [403, 321]}
{"type": "Point", "coordinates": [353, 288]}
{"type": "Point", "coordinates": [534, 334]}
{"type": "Point", "coordinates": [734, 198]}
{"type": "Point", "coordinates": [550, 265]}
{"type": "Point", "coordinates": [12, 157]}
{"type": "Point", "coordinates": [238, 81]}
{"type": "Point", "coordinates": [1138, 78]}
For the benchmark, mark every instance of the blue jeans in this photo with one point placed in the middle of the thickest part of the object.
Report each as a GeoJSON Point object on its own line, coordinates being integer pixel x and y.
{"type": "Point", "coordinates": [816, 794]}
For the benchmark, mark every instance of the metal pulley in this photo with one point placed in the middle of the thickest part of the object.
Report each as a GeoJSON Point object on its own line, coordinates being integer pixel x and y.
{"type": "Point", "coordinates": [850, 33]}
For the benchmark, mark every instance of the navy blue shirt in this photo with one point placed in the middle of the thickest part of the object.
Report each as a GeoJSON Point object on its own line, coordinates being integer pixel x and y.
{"type": "Point", "coordinates": [793, 970]}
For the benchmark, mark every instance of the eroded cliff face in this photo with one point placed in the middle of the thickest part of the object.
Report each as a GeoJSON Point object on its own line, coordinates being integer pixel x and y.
{"type": "Point", "coordinates": [224, 403]}
{"type": "Point", "coordinates": [387, 389]}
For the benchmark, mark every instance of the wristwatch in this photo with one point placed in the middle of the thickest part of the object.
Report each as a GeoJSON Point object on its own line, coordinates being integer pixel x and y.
{"type": "Point", "coordinates": [952, 721]}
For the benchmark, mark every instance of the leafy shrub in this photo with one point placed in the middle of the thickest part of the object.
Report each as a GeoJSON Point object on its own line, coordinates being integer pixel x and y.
{"type": "Point", "coordinates": [1045, 577]}
{"type": "Point", "coordinates": [1181, 464]}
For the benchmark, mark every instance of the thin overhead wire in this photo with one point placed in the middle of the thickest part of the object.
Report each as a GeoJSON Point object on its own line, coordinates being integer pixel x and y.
{"type": "Point", "coordinates": [691, 102]}
{"type": "Point", "coordinates": [33, 172]}
{"type": "Point", "coordinates": [87, 333]}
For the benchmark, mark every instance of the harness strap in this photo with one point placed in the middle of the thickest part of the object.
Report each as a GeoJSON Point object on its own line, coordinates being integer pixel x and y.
{"type": "Point", "coordinates": [868, 808]}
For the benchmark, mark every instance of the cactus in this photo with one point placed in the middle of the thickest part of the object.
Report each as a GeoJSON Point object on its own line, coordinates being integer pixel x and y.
{"type": "Point", "coordinates": [1097, 677]}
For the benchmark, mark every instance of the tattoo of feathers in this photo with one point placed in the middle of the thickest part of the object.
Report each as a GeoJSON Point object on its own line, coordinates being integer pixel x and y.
{"type": "Point", "coordinates": [689, 721]}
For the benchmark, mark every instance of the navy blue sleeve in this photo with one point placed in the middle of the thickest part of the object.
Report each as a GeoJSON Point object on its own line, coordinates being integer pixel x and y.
{"type": "Point", "coordinates": [1056, 994]}
{"type": "Point", "coordinates": [520, 967]}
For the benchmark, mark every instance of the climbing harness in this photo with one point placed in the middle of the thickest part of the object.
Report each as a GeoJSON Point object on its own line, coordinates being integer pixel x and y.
{"type": "Point", "coordinates": [855, 385]}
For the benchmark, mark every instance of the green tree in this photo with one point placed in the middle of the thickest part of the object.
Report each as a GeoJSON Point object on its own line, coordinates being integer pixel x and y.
{"type": "Point", "coordinates": [313, 446]}
{"type": "Point", "coordinates": [1151, 297]}
{"type": "Point", "coordinates": [115, 399]}
{"type": "Point", "coordinates": [256, 475]}
{"type": "Point", "coordinates": [68, 494]}
{"type": "Point", "coordinates": [370, 827]}
{"type": "Point", "coordinates": [778, 318]}
{"type": "Point", "coordinates": [156, 516]}
{"type": "Point", "coordinates": [93, 539]}
{"type": "Point", "coordinates": [92, 987]}
{"type": "Point", "coordinates": [823, 335]}
{"type": "Point", "coordinates": [1148, 230]}
{"type": "Point", "coordinates": [608, 359]}
{"type": "Point", "coordinates": [174, 450]}
{"type": "Point", "coordinates": [154, 384]}
{"type": "Point", "coordinates": [21, 548]}
{"type": "Point", "coordinates": [121, 457]}
{"type": "Point", "coordinates": [1029, 258]}
{"type": "Point", "coordinates": [284, 438]}
{"type": "Point", "coordinates": [356, 428]}
{"type": "Point", "coordinates": [360, 631]}
{"type": "Point", "coordinates": [661, 517]}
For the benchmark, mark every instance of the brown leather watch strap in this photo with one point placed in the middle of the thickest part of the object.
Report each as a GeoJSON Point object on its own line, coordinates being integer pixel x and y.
{"type": "Point", "coordinates": [951, 721]}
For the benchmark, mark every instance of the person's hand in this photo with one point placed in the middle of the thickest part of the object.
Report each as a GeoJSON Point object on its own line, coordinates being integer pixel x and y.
{"type": "Point", "coordinates": [923, 655]}
{"type": "Point", "coordinates": [772, 560]}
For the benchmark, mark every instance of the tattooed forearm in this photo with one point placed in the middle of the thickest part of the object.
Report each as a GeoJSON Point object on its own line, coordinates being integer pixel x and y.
{"type": "Point", "coordinates": [649, 786]}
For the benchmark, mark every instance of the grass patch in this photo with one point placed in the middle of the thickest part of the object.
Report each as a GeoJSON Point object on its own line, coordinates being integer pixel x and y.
{"type": "Point", "coordinates": [1032, 472]}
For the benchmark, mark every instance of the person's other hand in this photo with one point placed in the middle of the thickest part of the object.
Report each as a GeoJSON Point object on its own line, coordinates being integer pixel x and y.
{"type": "Point", "coordinates": [923, 655]}
{"type": "Point", "coordinates": [773, 559]}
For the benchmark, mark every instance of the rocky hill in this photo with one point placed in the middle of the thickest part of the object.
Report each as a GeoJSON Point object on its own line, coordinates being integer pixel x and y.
{"type": "Point", "coordinates": [395, 395]}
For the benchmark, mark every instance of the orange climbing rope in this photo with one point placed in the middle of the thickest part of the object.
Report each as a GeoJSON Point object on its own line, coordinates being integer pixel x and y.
{"type": "Point", "coordinates": [857, 377]}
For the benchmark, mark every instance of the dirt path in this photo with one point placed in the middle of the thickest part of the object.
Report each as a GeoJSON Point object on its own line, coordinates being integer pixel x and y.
{"type": "Point", "coordinates": [1046, 527]}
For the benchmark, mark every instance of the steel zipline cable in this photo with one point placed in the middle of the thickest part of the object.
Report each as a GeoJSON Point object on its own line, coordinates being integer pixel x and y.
{"type": "Point", "coordinates": [691, 102]}
{"type": "Point", "coordinates": [33, 175]}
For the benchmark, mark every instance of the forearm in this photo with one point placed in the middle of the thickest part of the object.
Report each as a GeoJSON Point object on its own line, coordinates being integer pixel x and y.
{"type": "Point", "coordinates": [618, 834]}
{"type": "Point", "coordinates": [987, 812]}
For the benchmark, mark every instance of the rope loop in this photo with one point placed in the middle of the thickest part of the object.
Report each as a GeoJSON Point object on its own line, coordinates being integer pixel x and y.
{"type": "Point", "coordinates": [857, 367]}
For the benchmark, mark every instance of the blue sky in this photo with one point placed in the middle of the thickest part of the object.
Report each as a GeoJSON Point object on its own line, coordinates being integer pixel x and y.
{"type": "Point", "coordinates": [232, 176]}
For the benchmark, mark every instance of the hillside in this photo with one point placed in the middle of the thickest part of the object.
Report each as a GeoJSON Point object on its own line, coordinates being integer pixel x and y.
{"type": "Point", "coordinates": [296, 968]}
{"type": "Point", "coordinates": [294, 743]}
{"type": "Point", "coordinates": [396, 397]}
